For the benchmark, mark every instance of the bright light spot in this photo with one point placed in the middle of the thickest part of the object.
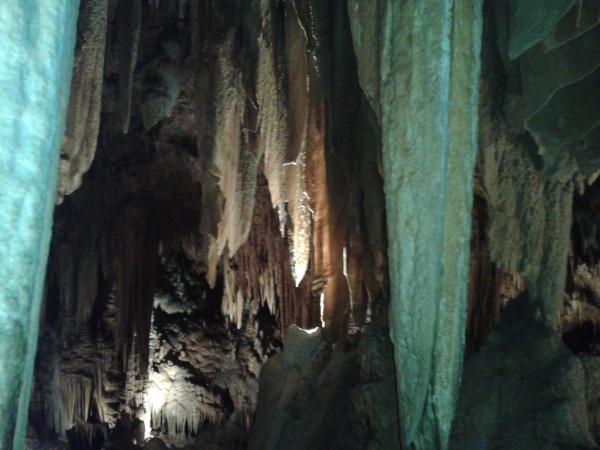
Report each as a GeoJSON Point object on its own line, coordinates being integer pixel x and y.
{"type": "Point", "coordinates": [322, 306]}
{"type": "Point", "coordinates": [153, 401]}
{"type": "Point", "coordinates": [345, 270]}
{"type": "Point", "coordinates": [147, 424]}
{"type": "Point", "coordinates": [311, 331]}
{"type": "Point", "coordinates": [301, 255]}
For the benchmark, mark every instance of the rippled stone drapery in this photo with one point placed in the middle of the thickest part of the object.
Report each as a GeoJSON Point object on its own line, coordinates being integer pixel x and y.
{"type": "Point", "coordinates": [429, 72]}
{"type": "Point", "coordinates": [36, 62]}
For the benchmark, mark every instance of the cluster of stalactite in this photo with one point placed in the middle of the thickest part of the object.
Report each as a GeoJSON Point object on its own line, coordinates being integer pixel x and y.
{"type": "Point", "coordinates": [529, 166]}
{"type": "Point", "coordinates": [533, 261]}
{"type": "Point", "coordinates": [237, 134]}
{"type": "Point", "coordinates": [266, 79]}
{"type": "Point", "coordinates": [277, 94]}
{"type": "Point", "coordinates": [100, 289]}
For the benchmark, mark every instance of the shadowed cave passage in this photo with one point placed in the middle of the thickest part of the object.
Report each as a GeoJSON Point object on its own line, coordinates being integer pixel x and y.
{"type": "Point", "coordinates": [300, 224]}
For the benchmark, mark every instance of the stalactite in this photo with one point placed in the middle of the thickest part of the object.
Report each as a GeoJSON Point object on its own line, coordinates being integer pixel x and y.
{"type": "Point", "coordinates": [529, 182]}
{"type": "Point", "coordinates": [272, 114]}
{"type": "Point", "coordinates": [83, 116]}
{"type": "Point", "coordinates": [260, 278]}
{"type": "Point", "coordinates": [582, 17]}
{"type": "Point", "coordinates": [135, 283]}
{"type": "Point", "coordinates": [129, 23]}
{"type": "Point", "coordinates": [531, 209]}
{"type": "Point", "coordinates": [298, 99]}
{"type": "Point", "coordinates": [233, 163]}
{"type": "Point", "coordinates": [35, 74]}
{"type": "Point", "coordinates": [174, 400]}
{"type": "Point", "coordinates": [364, 22]}
{"type": "Point", "coordinates": [428, 166]}
{"type": "Point", "coordinates": [204, 63]}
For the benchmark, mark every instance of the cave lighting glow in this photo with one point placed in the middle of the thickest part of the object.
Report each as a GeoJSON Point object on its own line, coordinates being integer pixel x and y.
{"type": "Point", "coordinates": [322, 309]}
{"type": "Point", "coordinates": [301, 253]}
{"type": "Point", "coordinates": [154, 399]}
{"type": "Point", "coordinates": [311, 330]}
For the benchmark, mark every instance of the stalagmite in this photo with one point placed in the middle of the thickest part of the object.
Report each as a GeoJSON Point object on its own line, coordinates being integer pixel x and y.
{"type": "Point", "coordinates": [429, 73]}
{"type": "Point", "coordinates": [35, 74]}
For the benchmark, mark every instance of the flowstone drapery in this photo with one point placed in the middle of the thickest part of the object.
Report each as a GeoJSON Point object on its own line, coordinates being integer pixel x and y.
{"type": "Point", "coordinates": [429, 68]}
{"type": "Point", "coordinates": [36, 63]}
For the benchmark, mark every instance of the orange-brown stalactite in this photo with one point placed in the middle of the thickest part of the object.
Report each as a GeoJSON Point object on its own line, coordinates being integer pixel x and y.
{"type": "Point", "coordinates": [345, 178]}
{"type": "Point", "coordinates": [261, 271]}
{"type": "Point", "coordinates": [316, 170]}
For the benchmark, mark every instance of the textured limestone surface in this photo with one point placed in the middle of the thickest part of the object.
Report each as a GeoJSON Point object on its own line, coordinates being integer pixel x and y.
{"type": "Point", "coordinates": [36, 58]}
{"type": "Point", "coordinates": [364, 20]}
{"type": "Point", "coordinates": [529, 23]}
{"type": "Point", "coordinates": [314, 395]}
{"type": "Point", "coordinates": [526, 390]}
{"type": "Point", "coordinates": [539, 141]}
{"type": "Point", "coordinates": [85, 101]}
{"type": "Point", "coordinates": [429, 89]}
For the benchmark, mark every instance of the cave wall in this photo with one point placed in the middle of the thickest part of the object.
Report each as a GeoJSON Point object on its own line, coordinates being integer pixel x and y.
{"type": "Point", "coordinates": [37, 57]}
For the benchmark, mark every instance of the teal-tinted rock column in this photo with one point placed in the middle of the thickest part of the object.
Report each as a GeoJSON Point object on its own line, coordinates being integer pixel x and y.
{"type": "Point", "coordinates": [429, 71]}
{"type": "Point", "coordinates": [37, 40]}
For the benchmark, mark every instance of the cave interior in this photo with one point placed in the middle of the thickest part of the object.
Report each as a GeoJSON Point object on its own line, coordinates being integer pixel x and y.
{"type": "Point", "coordinates": [300, 224]}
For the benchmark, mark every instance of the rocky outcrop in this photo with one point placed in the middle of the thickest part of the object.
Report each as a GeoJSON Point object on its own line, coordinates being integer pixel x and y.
{"type": "Point", "coordinates": [526, 390]}
{"type": "Point", "coordinates": [314, 395]}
